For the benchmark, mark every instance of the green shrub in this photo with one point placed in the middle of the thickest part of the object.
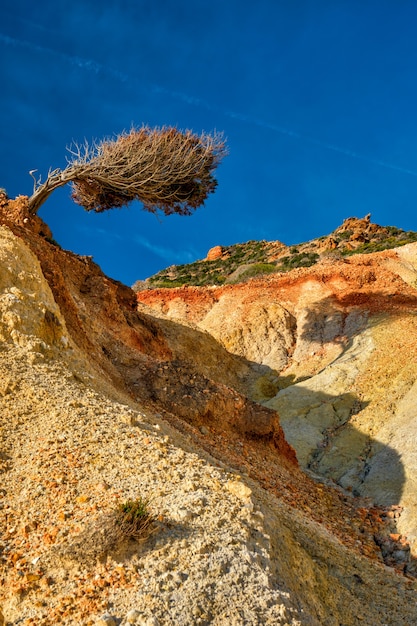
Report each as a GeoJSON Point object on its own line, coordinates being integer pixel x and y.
{"type": "Point", "coordinates": [393, 230]}
{"type": "Point", "coordinates": [346, 234]}
{"type": "Point", "coordinates": [304, 259]}
{"type": "Point", "coordinates": [258, 268]}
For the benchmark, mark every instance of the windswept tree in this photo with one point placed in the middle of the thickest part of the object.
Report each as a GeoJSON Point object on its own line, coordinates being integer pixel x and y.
{"type": "Point", "coordinates": [166, 169]}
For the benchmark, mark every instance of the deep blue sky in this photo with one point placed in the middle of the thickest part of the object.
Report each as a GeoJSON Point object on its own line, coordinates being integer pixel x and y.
{"type": "Point", "coordinates": [318, 101]}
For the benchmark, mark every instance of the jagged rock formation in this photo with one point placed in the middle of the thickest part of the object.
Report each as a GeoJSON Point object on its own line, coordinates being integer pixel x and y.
{"type": "Point", "coordinates": [102, 401]}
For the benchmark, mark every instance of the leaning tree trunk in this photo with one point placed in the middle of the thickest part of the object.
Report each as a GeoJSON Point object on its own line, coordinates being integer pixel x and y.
{"type": "Point", "coordinates": [56, 179]}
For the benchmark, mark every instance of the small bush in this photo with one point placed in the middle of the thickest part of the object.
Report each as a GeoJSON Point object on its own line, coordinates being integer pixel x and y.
{"type": "Point", "coordinates": [304, 259]}
{"type": "Point", "coordinates": [346, 234]}
{"type": "Point", "coordinates": [132, 520]}
{"type": "Point", "coordinates": [333, 255]}
{"type": "Point", "coordinates": [258, 268]}
{"type": "Point", "coordinates": [393, 230]}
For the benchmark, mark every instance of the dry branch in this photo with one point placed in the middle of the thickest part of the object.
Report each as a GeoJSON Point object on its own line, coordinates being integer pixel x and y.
{"type": "Point", "coordinates": [164, 168]}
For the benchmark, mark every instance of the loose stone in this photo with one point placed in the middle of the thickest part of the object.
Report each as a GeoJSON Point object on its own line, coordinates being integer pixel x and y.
{"type": "Point", "coordinates": [133, 616]}
{"type": "Point", "coordinates": [106, 620]}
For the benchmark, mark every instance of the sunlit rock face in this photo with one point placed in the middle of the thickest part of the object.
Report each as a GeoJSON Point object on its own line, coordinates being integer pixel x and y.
{"type": "Point", "coordinates": [29, 315]}
{"type": "Point", "coordinates": [200, 399]}
{"type": "Point", "coordinates": [214, 253]}
{"type": "Point", "coordinates": [337, 346]}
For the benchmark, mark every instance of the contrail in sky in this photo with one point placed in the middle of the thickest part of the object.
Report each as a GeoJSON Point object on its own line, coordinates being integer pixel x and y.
{"type": "Point", "coordinates": [98, 68]}
{"type": "Point", "coordinates": [248, 119]}
{"type": "Point", "coordinates": [85, 64]}
{"type": "Point", "coordinates": [318, 142]}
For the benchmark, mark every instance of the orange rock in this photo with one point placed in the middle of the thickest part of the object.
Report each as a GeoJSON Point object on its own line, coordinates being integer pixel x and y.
{"type": "Point", "coordinates": [214, 253]}
{"type": "Point", "coordinates": [82, 499]}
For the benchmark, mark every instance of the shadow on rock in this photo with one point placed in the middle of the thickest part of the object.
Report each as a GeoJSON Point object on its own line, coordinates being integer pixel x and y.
{"type": "Point", "coordinates": [322, 421]}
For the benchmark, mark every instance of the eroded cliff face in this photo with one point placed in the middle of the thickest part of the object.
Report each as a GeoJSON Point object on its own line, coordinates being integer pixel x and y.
{"type": "Point", "coordinates": [101, 402]}
{"type": "Point", "coordinates": [339, 348]}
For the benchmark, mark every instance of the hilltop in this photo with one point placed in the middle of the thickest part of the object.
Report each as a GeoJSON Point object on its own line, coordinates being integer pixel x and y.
{"type": "Point", "coordinates": [240, 262]}
{"type": "Point", "coordinates": [270, 423]}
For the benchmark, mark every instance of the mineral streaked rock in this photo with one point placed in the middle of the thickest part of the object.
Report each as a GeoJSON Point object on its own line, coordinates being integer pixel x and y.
{"type": "Point", "coordinates": [337, 344]}
{"type": "Point", "coordinates": [297, 552]}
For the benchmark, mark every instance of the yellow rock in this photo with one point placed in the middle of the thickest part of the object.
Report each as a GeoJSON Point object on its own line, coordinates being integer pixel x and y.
{"type": "Point", "coordinates": [82, 499]}
{"type": "Point", "coordinates": [239, 489]}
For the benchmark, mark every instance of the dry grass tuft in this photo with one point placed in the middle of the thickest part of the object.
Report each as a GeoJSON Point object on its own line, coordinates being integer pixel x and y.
{"type": "Point", "coordinates": [132, 520]}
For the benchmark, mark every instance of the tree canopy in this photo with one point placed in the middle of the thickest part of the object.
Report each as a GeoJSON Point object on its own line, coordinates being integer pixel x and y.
{"type": "Point", "coordinates": [166, 169]}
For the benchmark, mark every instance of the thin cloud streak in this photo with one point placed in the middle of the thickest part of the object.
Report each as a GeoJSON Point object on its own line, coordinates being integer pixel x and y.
{"type": "Point", "coordinates": [85, 64]}
{"type": "Point", "coordinates": [164, 253]}
{"type": "Point", "coordinates": [323, 144]}
{"type": "Point", "coordinates": [95, 67]}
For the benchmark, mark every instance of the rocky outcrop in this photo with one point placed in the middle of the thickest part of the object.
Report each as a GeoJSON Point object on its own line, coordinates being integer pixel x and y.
{"type": "Point", "coordinates": [337, 343]}
{"type": "Point", "coordinates": [214, 253]}
{"type": "Point", "coordinates": [239, 262]}
{"type": "Point", "coordinates": [102, 402]}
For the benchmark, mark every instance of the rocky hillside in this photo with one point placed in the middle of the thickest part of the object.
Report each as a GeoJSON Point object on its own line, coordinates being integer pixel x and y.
{"type": "Point", "coordinates": [338, 351]}
{"type": "Point", "coordinates": [174, 400]}
{"type": "Point", "coordinates": [240, 262]}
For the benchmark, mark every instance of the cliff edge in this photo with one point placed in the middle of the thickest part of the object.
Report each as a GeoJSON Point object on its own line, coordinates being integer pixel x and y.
{"type": "Point", "coordinates": [104, 400]}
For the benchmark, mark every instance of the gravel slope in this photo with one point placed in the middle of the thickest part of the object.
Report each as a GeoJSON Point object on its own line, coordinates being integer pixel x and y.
{"type": "Point", "coordinates": [70, 457]}
{"type": "Point", "coordinates": [223, 550]}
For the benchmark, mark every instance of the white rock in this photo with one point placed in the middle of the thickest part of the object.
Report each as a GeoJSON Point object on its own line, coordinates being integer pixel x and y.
{"type": "Point", "coordinates": [133, 616]}
{"type": "Point", "coordinates": [106, 620]}
{"type": "Point", "coordinates": [183, 515]}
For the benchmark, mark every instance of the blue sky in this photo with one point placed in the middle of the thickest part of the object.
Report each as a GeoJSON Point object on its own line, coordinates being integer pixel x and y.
{"type": "Point", "coordinates": [318, 101]}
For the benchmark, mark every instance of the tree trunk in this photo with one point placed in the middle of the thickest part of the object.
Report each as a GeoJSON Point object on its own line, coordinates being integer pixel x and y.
{"type": "Point", "coordinates": [43, 192]}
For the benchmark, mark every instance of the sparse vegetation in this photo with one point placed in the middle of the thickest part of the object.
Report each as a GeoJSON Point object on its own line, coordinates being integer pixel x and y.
{"type": "Point", "coordinates": [344, 235]}
{"type": "Point", "coordinates": [400, 239]}
{"type": "Point", "coordinates": [303, 259]}
{"type": "Point", "coordinates": [243, 261]}
{"type": "Point", "coordinates": [131, 520]}
{"type": "Point", "coordinates": [332, 255]}
{"type": "Point", "coordinates": [217, 272]}
{"type": "Point", "coordinates": [257, 269]}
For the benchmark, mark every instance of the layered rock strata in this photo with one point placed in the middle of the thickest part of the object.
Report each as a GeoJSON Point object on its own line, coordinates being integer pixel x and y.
{"type": "Point", "coordinates": [101, 403]}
